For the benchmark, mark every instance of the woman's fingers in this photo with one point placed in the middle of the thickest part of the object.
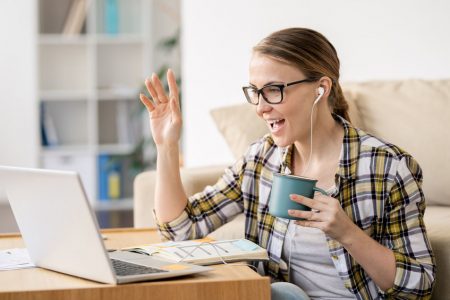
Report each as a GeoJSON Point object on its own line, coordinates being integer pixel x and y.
{"type": "Point", "coordinates": [147, 102]}
{"type": "Point", "coordinates": [302, 214]}
{"type": "Point", "coordinates": [156, 89]}
{"type": "Point", "coordinates": [173, 88]}
{"type": "Point", "coordinates": [173, 96]}
{"type": "Point", "coordinates": [152, 91]}
{"type": "Point", "coordinates": [312, 224]}
{"type": "Point", "coordinates": [161, 94]}
{"type": "Point", "coordinates": [317, 205]}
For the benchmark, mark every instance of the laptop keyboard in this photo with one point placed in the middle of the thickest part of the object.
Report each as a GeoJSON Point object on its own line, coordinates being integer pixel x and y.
{"type": "Point", "coordinates": [124, 268]}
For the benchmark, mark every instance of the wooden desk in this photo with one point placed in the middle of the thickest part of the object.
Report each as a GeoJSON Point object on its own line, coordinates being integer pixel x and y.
{"type": "Point", "coordinates": [224, 282]}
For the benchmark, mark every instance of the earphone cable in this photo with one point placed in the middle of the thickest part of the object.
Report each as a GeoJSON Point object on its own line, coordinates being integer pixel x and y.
{"type": "Point", "coordinates": [292, 236]}
{"type": "Point", "coordinates": [310, 140]}
{"type": "Point", "coordinates": [218, 254]}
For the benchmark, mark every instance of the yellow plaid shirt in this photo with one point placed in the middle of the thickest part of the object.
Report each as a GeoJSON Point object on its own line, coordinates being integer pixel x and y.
{"type": "Point", "coordinates": [378, 186]}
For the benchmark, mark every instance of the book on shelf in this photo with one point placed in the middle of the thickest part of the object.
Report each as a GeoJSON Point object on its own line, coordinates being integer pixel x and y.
{"type": "Point", "coordinates": [49, 136]}
{"type": "Point", "coordinates": [205, 251]}
{"type": "Point", "coordinates": [76, 17]}
{"type": "Point", "coordinates": [109, 178]}
{"type": "Point", "coordinates": [103, 176]}
{"type": "Point", "coordinates": [111, 16]}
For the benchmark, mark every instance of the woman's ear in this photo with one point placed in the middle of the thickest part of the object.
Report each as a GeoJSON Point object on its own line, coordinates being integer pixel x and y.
{"type": "Point", "coordinates": [326, 84]}
{"type": "Point", "coordinates": [320, 92]}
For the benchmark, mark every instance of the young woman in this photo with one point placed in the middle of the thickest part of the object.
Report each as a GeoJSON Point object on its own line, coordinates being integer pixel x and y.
{"type": "Point", "coordinates": [366, 239]}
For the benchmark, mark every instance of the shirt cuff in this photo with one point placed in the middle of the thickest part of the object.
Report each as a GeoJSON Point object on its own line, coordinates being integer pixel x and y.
{"type": "Point", "coordinates": [402, 274]}
{"type": "Point", "coordinates": [168, 230]}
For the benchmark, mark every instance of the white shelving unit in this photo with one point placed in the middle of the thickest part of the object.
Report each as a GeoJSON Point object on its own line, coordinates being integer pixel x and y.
{"type": "Point", "coordinates": [88, 90]}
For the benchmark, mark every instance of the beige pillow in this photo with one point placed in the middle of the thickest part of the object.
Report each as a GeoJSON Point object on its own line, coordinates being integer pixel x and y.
{"type": "Point", "coordinates": [239, 125]}
{"type": "Point", "coordinates": [353, 111]}
{"type": "Point", "coordinates": [414, 115]}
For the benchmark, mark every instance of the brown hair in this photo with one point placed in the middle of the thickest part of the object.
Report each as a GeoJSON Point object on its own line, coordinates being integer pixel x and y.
{"type": "Point", "coordinates": [313, 54]}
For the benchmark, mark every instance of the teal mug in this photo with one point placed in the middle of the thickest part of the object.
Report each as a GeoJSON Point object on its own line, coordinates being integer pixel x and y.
{"type": "Point", "coordinates": [284, 185]}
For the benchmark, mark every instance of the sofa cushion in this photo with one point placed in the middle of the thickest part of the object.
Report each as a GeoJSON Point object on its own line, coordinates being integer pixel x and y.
{"type": "Point", "coordinates": [414, 115]}
{"type": "Point", "coordinates": [239, 125]}
{"type": "Point", "coordinates": [194, 180]}
{"type": "Point", "coordinates": [437, 222]}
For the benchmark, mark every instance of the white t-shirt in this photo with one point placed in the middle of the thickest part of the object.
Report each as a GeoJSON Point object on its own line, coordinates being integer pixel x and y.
{"type": "Point", "coordinates": [311, 267]}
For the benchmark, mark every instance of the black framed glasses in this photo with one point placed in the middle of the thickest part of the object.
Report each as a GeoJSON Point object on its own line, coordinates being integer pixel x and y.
{"type": "Point", "coordinates": [272, 93]}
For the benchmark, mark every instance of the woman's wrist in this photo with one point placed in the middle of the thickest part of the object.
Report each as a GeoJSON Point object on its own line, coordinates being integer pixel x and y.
{"type": "Point", "coordinates": [351, 235]}
{"type": "Point", "coordinates": [168, 148]}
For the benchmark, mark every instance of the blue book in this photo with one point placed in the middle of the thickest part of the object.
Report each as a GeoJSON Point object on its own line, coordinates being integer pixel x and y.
{"type": "Point", "coordinates": [111, 17]}
{"type": "Point", "coordinates": [48, 128]}
{"type": "Point", "coordinates": [44, 141]}
{"type": "Point", "coordinates": [115, 181]}
{"type": "Point", "coordinates": [103, 170]}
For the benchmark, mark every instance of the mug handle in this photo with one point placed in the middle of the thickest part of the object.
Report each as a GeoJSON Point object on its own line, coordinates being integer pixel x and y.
{"type": "Point", "coordinates": [316, 189]}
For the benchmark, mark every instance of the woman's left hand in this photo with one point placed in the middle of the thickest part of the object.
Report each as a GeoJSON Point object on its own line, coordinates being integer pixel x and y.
{"type": "Point", "coordinates": [326, 214]}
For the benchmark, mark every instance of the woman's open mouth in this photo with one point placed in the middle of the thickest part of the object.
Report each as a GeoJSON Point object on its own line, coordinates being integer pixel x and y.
{"type": "Point", "coordinates": [276, 125]}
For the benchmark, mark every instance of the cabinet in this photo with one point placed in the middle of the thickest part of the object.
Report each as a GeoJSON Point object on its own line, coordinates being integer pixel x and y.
{"type": "Point", "coordinates": [89, 81]}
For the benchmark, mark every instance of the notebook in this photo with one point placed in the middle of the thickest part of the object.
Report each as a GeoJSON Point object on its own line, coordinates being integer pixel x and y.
{"type": "Point", "coordinates": [205, 251]}
{"type": "Point", "coordinates": [61, 232]}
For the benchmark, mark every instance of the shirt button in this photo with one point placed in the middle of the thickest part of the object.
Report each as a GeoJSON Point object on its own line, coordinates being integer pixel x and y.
{"type": "Point", "coordinates": [334, 257]}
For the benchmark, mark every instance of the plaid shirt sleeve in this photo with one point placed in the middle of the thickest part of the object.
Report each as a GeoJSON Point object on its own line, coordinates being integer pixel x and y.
{"type": "Point", "coordinates": [406, 234]}
{"type": "Point", "coordinates": [209, 209]}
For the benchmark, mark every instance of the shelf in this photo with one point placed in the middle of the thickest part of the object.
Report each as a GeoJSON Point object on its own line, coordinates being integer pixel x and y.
{"type": "Point", "coordinates": [58, 39]}
{"type": "Point", "coordinates": [62, 39]}
{"type": "Point", "coordinates": [67, 150]}
{"type": "Point", "coordinates": [115, 204]}
{"type": "Point", "coordinates": [116, 149]}
{"type": "Point", "coordinates": [89, 84]}
{"type": "Point", "coordinates": [120, 39]}
{"type": "Point", "coordinates": [63, 95]}
{"type": "Point", "coordinates": [126, 93]}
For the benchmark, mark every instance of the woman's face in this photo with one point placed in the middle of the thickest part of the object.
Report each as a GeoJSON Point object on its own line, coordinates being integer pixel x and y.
{"type": "Point", "coordinates": [288, 121]}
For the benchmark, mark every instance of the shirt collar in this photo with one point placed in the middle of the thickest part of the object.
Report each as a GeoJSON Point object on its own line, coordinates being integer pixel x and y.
{"type": "Point", "coordinates": [348, 162]}
{"type": "Point", "coordinates": [349, 153]}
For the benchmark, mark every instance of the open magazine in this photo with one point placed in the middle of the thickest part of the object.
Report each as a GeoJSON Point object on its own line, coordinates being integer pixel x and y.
{"type": "Point", "coordinates": [205, 251]}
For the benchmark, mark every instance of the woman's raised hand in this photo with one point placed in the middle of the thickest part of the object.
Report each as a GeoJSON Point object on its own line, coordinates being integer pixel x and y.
{"type": "Point", "coordinates": [164, 111]}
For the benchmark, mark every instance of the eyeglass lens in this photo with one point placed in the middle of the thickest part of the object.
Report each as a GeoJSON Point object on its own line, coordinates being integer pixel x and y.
{"type": "Point", "coordinates": [271, 94]}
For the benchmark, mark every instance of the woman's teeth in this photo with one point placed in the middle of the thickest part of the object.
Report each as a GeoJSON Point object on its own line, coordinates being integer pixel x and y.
{"type": "Point", "coordinates": [275, 123]}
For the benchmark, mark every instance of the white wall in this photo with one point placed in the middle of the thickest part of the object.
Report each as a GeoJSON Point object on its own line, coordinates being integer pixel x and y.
{"type": "Point", "coordinates": [375, 40]}
{"type": "Point", "coordinates": [18, 112]}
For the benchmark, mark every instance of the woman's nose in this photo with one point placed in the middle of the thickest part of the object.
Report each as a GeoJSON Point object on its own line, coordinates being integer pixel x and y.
{"type": "Point", "coordinates": [262, 106]}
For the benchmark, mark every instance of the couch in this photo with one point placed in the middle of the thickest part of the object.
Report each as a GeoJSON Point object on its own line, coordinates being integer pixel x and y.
{"type": "Point", "coordinates": [413, 114]}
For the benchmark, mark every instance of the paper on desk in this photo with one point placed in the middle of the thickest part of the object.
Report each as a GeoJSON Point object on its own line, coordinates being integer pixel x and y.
{"type": "Point", "coordinates": [13, 259]}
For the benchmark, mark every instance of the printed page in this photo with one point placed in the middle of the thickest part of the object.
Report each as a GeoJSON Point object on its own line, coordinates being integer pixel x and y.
{"type": "Point", "coordinates": [206, 251]}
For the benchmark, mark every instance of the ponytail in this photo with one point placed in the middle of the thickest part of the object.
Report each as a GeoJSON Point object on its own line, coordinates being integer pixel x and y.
{"type": "Point", "coordinates": [337, 102]}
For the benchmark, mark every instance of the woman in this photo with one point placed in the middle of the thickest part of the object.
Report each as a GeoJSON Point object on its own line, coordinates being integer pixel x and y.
{"type": "Point", "coordinates": [366, 239]}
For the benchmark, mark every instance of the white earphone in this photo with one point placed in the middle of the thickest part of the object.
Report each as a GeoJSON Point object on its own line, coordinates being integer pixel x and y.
{"type": "Point", "coordinates": [321, 91]}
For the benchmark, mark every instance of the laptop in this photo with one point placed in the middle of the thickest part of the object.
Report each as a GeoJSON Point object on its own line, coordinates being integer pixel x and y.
{"type": "Point", "coordinates": [61, 232]}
